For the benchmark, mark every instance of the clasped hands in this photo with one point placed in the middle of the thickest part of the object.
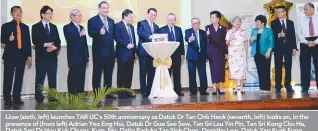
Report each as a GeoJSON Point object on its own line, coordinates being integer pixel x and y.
{"type": "Point", "coordinates": [311, 43]}
{"type": "Point", "coordinates": [50, 47]}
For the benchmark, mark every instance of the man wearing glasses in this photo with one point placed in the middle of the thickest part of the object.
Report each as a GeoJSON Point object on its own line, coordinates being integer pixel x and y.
{"type": "Point", "coordinates": [196, 57]}
{"type": "Point", "coordinates": [46, 40]}
{"type": "Point", "coordinates": [285, 47]}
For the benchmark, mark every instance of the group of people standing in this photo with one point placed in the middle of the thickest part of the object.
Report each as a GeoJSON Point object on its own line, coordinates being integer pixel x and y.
{"type": "Point", "coordinates": [212, 44]}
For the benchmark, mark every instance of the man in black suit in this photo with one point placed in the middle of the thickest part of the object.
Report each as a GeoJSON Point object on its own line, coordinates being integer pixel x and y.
{"type": "Point", "coordinates": [125, 51]}
{"type": "Point", "coordinates": [47, 43]}
{"type": "Point", "coordinates": [77, 53]}
{"type": "Point", "coordinates": [16, 37]}
{"type": "Point", "coordinates": [285, 47]}
{"type": "Point", "coordinates": [175, 34]}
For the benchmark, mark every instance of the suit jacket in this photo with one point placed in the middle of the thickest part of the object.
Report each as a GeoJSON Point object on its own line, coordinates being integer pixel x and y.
{"type": "Point", "coordinates": [39, 39]}
{"type": "Point", "coordinates": [11, 47]}
{"type": "Point", "coordinates": [193, 51]}
{"type": "Point", "coordinates": [144, 31]}
{"type": "Point", "coordinates": [216, 40]}
{"type": "Point", "coordinates": [77, 49]}
{"type": "Point", "coordinates": [266, 41]}
{"type": "Point", "coordinates": [103, 45]}
{"type": "Point", "coordinates": [122, 38]}
{"type": "Point", "coordinates": [178, 37]}
{"type": "Point", "coordinates": [290, 36]}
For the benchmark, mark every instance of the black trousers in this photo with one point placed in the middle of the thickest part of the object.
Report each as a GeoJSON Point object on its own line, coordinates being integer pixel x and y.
{"type": "Point", "coordinates": [263, 66]}
{"type": "Point", "coordinates": [305, 63]}
{"type": "Point", "coordinates": [124, 76]}
{"type": "Point", "coordinates": [280, 54]}
{"type": "Point", "coordinates": [103, 65]}
{"type": "Point", "coordinates": [175, 70]}
{"type": "Point", "coordinates": [146, 74]}
{"type": "Point", "coordinates": [76, 78]}
{"type": "Point", "coordinates": [13, 67]}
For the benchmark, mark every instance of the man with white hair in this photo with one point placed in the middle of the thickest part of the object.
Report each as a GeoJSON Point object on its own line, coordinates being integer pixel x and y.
{"type": "Point", "coordinates": [77, 52]}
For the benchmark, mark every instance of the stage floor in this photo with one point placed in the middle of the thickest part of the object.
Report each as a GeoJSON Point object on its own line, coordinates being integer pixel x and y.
{"type": "Point", "coordinates": [30, 102]}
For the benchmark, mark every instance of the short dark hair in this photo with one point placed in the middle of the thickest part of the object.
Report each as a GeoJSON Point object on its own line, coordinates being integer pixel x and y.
{"type": "Point", "coordinates": [217, 13]}
{"type": "Point", "coordinates": [281, 7]}
{"type": "Point", "coordinates": [310, 5]}
{"type": "Point", "coordinates": [102, 2]}
{"type": "Point", "coordinates": [151, 9]}
{"type": "Point", "coordinates": [261, 18]}
{"type": "Point", "coordinates": [44, 9]}
{"type": "Point", "coordinates": [126, 13]}
{"type": "Point", "coordinates": [15, 7]}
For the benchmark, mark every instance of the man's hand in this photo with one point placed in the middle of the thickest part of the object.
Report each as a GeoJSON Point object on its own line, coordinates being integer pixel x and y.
{"type": "Point", "coordinates": [11, 38]}
{"type": "Point", "coordinates": [29, 62]}
{"type": "Point", "coordinates": [282, 34]}
{"type": "Point", "coordinates": [192, 38]}
{"type": "Point", "coordinates": [267, 55]}
{"type": "Point", "coordinates": [51, 49]}
{"type": "Point", "coordinates": [150, 37]}
{"type": "Point", "coordinates": [129, 46]}
{"type": "Point", "coordinates": [294, 51]}
{"type": "Point", "coordinates": [49, 44]}
{"type": "Point", "coordinates": [87, 65]}
{"type": "Point", "coordinates": [83, 33]}
{"type": "Point", "coordinates": [102, 31]}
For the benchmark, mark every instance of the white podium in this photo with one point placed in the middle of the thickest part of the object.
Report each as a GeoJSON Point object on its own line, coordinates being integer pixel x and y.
{"type": "Point", "coordinates": [162, 86]}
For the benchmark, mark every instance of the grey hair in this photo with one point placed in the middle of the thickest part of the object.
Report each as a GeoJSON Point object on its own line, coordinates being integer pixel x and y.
{"type": "Point", "coordinates": [236, 18]}
{"type": "Point", "coordinates": [74, 11]}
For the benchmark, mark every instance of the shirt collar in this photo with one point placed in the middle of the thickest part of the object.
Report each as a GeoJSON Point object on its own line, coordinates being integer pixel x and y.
{"type": "Point", "coordinates": [44, 23]}
{"type": "Point", "coordinates": [77, 25]}
{"type": "Point", "coordinates": [126, 24]}
{"type": "Point", "coordinates": [102, 17]}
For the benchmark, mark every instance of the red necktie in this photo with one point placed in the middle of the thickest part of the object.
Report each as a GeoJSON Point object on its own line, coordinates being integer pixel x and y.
{"type": "Point", "coordinates": [311, 27]}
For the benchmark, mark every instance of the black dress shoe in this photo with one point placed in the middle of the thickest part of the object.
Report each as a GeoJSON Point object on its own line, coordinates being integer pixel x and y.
{"type": "Point", "coordinates": [278, 91]}
{"type": "Point", "coordinates": [180, 94]}
{"type": "Point", "coordinates": [110, 97]}
{"type": "Point", "coordinates": [193, 94]}
{"type": "Point", "coordinates": [131, 96]}
{"type": "Point", "coordinates": [304, 91]}
{"type": "Point", "coordinates": [290, 91]}
{"type": "Point", "coordinates": [204, 93]}
{"type": "Point", "coordinates": [18, 102]}
{"type": "Point", "coordinates": [8, 103]}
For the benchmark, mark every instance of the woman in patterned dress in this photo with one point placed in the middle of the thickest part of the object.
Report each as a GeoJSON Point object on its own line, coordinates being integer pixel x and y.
{"type": "Point", "coordinates": [236, 53]}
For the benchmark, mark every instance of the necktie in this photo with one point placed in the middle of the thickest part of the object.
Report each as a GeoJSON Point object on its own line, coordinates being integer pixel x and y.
{"type": "Point", "coordinates": [47, 31]}
{"type": "Point", "coordinates": [284, 29]}
{"type": "Point", "coordinates": [172, 34]}
{"type": "Point", "coordinates": [152, 29]}
{"type": "Point", "coordinates": [311, 27]}
{"type": "Point", "coordinates": [129, 33]}
{"type": "Point", "coordinates": [19, 35]}
{"type": "Point", "coordinates": [78, 28]}
{"type": "Point", "coordinates": [106, 24]}
{"type": "Point", "coordinates": [198, 38]}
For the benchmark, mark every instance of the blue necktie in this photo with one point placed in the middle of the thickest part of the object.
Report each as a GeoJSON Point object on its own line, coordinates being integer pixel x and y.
{"type": "Point", "coordinates": [171, 35]}
{"type": "Point", "coordinates": [47, 31]}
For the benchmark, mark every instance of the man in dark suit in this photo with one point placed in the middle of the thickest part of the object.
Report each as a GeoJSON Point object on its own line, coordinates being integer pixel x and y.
{"type": "Point", "coordinates": [196, 57]}
{"type": "Point", "coordinates": [175, 34]}
{"type": "Point", "coordinates": [47, 43]}
{"type": "Point", "coordinates": [125, 51]}
{"type": "Point", "coordinates": [16, 37]}
{"type": "Point", "coordinates": [285, 47]}
{"type": "Point", "coordinates": [145, 29]}
{"type": "Point", "coordinates": [101, 29]}
{"type": "Point", "coordinates": [77, 53]}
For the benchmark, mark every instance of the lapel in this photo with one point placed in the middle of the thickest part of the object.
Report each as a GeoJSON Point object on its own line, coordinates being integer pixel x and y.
{"type": "Point", "coordinates": [51, 28]}
{"type": "Point", "coordinates": [101, 22]}
{"type": "Point", "coordinates": [41, 27]}
{"type": "Point", "coordinates": [148, 26]}
{"type": "Point", "coordinates": [74, 27]}
{"type": "Point", "coordinates": [125, 29]}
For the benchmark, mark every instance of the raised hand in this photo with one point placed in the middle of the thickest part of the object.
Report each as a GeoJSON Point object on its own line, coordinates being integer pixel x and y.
{"type": "Point", "coordinates": [11, 38]}
{"type": "Point", "coordinates": [282, 34]}
{"type": "Point", "coordinates": [83, 33]}
{"type": "Point", "coordinates": [208, 31]}
{"type": "Point", "coordinates": [192, 38]}
{"type": "Point", "coordinates": [253, 39]}
{"type": "Point", "coordinates": [102, 30]}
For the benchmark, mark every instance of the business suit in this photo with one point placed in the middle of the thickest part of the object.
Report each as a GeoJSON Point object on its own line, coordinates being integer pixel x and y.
{"type": "Point", "coordinates": [175, 35]}
{"type": "Point", "coordinates": [125, 56]}
{"type": "Point", "coordinates": [46, 62]}
{"type": "Point", "coordinates": [283, 49]}
{"type": "Point", "coordinates": [14, 59]}
{"type": "Point", "coordinates": [77, 57]}
{"type": "Point", "coordinates": [216, 50]}
{"type": "Point", "coordinates": [146, 68]}
{"type": "Point", "coordinates": [196, 57]}
{"type": "Point", "coordinates": [103, 51]}
{"type": "Point", "coordinates": [260, 46]}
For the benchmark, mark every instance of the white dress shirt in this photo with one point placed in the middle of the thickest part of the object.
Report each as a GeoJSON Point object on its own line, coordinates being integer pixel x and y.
{"type": "Point", "coordinates": [303, 30]}
{"type": "Point", "coordinates": [48, 25]}
{"type": "Point", "coordinates": [174, 33]}
{"type": "Point", "coordinates": [129, 30]}
{"type": "Point", "coordinates": [285, 21]}
{"type": "Point", "coordinates": [151, 26]}
{"type": "Point", "coordinates": [77, 26]}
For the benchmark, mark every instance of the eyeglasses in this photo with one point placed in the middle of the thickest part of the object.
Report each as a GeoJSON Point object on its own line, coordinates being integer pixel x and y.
{"type": "Point", "coordinates": [49, 13]}
{"type": "Point", "coordinates": [196, 23]}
